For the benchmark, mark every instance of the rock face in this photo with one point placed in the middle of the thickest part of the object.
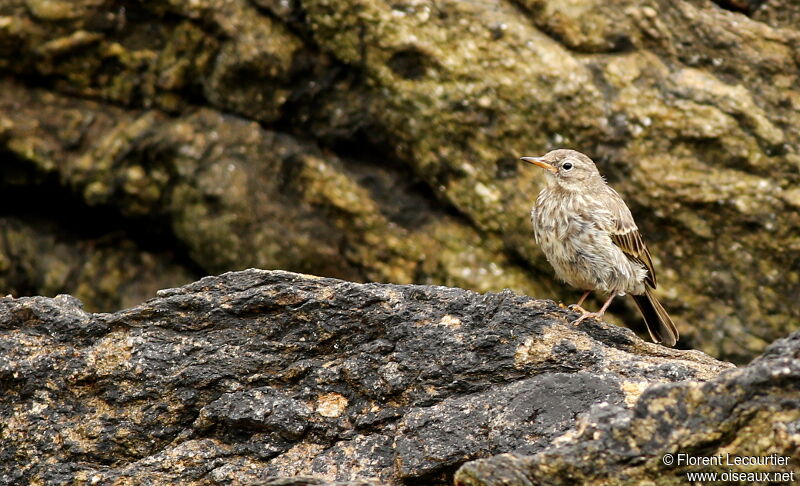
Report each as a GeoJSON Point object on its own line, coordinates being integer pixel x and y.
{"type": "Point", "coordinates": [374, 140]}
{"type": "Point", "coordinates": [743, 415]}
{"type": "Point", "coordinates": [262, 377]}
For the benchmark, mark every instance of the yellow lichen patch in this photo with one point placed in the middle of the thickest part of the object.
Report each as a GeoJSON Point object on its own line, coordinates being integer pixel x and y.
{"type": "Point", "coordinates": [289, 299]}
{"type": "Point", "coordinates": [110, 353]}
{"type": "Point", "coordinates": [351, 464]}
{"type": "Point", "coordinates": [536, 349]}
{"type": "Point", "coordinates": [569, 436]}
{"type": "Point", "coordinates": [331, 405]}
{"type": "Point", "coordinates": [766, 431]}
{"type": "Point", "coordinates": [297, 460]}
{"type": "Point", "coordinates": [450, 321]}
{"type": "Point", "coordinates": [327, 293]}
{"type": "Point", "coordinates": [661, 405]}
{"type": "Point", "coordinates": [633, 390]}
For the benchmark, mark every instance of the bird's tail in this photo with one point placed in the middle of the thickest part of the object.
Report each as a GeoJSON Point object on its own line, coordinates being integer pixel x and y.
{"type": "Point", "coordinates": [659, 325]}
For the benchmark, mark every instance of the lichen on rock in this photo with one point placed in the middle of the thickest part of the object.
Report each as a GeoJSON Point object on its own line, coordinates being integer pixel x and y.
{"type": "Point", "coordinates": [258, 375]}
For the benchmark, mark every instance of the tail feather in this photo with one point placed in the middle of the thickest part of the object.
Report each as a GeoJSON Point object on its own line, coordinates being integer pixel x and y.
{"type": "Point", "coordinates": [659, 324]}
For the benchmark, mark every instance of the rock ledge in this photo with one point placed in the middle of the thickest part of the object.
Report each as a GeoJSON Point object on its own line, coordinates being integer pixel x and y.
{"type": "Point", "coordinates": [270, 377]}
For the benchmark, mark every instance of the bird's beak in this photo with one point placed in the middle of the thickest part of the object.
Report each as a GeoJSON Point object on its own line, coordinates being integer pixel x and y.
{"type": "Point", "coordinates": [541, 163]}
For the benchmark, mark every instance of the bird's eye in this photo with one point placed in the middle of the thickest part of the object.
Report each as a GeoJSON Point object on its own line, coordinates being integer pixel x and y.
{"type": "Point", "coordinates": [567, 166]}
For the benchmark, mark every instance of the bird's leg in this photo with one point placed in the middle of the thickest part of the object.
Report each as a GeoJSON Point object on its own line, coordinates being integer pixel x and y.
{"type": "Point", "coordinates": [596, 315]}
{"type": "Point", "coordinates": [577, 307]}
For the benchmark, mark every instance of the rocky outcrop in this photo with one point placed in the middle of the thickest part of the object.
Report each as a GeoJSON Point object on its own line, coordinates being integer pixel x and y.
{"type": "Point", "coordinates": [269, 377]}
{"type": "Point", "coordinates": [744, 423]}
{"type": "Point", "coordinates": [377, 141]}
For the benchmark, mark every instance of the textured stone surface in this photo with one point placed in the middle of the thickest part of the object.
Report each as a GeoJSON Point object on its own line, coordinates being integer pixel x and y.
{"type": "Point", "coordinates": [376, 140]}
{"type": "Point", "coordinates": [259, 376]}
{"type": "Point", "coordinates": [105, 268]}
{"type": "Point", "coordinates": [745, 414]}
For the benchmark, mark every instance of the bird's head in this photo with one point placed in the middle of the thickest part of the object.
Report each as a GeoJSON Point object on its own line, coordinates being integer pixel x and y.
{"type": "Point", "coordinates": [569, 169]}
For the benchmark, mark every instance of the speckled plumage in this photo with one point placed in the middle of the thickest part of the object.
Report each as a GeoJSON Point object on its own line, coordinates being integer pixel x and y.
{"type": "Point", "coordinates": [573, 231]}
{"type": "Point", "coordinates": [588, 235]}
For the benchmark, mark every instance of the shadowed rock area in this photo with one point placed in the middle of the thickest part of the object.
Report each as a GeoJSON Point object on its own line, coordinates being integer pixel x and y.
{"type": "Point", "coordinates": [378, 141]}
{"type": "Point", "coordinates": [270, 377]}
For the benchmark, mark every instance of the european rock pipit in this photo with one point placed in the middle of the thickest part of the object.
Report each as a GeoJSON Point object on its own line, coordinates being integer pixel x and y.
{"type": "Point", "coordinates": [589, 237]}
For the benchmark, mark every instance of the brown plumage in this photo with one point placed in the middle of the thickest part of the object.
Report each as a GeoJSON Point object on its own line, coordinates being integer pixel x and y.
{"type": "Point", "coordinates": [589, 237]}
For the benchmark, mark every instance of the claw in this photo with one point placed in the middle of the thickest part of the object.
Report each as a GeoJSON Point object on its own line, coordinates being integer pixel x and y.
{"type": "Point", "coordinates": [594, 315]}
{"type": "Point", "coordinates": [588, 315]}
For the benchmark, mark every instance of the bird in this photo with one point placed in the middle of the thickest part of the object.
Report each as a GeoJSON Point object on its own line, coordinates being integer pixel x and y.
{"type": "Point", "coordinates": [588, 235]}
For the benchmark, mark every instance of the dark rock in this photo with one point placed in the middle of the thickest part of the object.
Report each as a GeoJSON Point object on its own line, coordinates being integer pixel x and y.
{"type": "Point", "coordinates": [253, 376]}
{"type": "Point", "coordinates": [523, 417]}
{"type": "Point", "coordinates": [751, 412]}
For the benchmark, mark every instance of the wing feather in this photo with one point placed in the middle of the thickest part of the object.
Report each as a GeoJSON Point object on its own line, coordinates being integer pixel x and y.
{"type": "Point", "coordinates": [633, 246]}
{"type": "Point", "coordinates": [626, 236]}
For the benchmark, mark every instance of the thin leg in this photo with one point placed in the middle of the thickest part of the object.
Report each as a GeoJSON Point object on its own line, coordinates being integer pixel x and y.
{"type": "Point", "coordinates": [605, 306]}
{"type": "Point", "coordinates": [577, 307]}
{"type": "Point", "coordinates": [595, 315]}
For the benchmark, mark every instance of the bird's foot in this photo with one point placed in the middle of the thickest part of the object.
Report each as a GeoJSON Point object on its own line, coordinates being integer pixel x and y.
{"type": "Point", "coordinates": [577, 308]}
{"type": "Point", "coordinates": [588, 315]}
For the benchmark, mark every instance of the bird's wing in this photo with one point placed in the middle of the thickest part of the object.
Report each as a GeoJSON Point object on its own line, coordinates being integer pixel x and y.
{"type": "Point", "coordinates": [626, 236]}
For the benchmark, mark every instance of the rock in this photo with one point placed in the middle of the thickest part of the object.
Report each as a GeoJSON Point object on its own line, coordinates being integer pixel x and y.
{"type": "Point", "coordinates": [745, 415]}
{"type": "Point", "coordinates": [256, 377]}
{"type": "Point", "coordinates": [378, 141]}
{"type": "Point", "coordinates": [104, 265]}
{"type": "Point", "coordinates": [220, 192]}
